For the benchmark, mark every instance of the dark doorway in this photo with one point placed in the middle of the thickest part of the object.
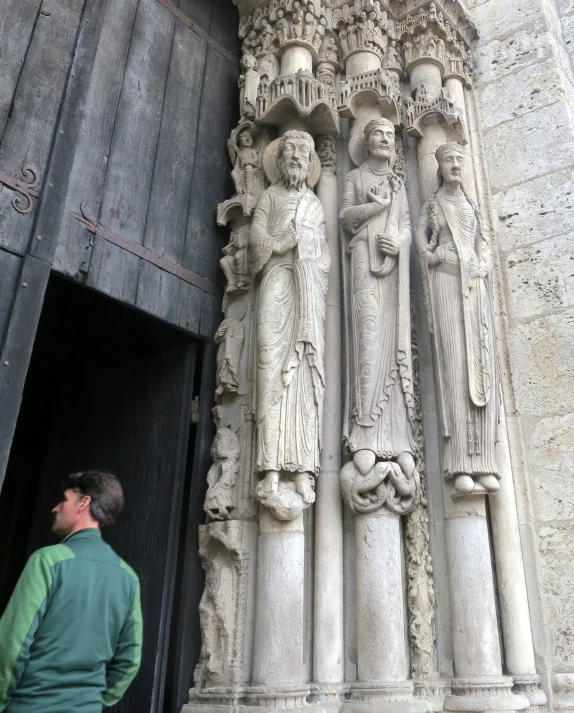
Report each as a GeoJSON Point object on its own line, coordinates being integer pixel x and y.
{"type": "Point", "coordinates": [109, 388]}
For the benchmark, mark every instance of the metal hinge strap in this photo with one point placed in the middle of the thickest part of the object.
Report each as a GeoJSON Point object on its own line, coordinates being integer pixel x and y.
{"type": "Point", "coordinates": [27, 188]}
{"type": "Point", "coordinates": [145, 253]}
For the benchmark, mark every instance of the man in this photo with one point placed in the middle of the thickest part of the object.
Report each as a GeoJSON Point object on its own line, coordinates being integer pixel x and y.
{"type": "Point", "coordinates": [289, 253]}
{"type": "Point", "coordinates": [71, 635]}
{"type": "Point", "coordinates": [380, 402]}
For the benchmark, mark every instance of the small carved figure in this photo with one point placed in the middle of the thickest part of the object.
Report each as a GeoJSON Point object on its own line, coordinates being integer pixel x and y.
{"type": "Point", "coordinates": [456, 263]}
{"type": "Point", "coordinates": [266, 35]}
{"type": "Point", "coordinates": [394, 56]}
{"type": "Point", "coordinates": [320, 33]}
{"type": "Point", "coordinates": [248, 85]}
{"type": "Point", "coordinates": [250, 43]}
{"type": "Point", "coordinates": [419, 46]}
{"type": "Point", "coordinates": [289, 254]}
{"type": "Point", "coordinates": [329, 51]}
{"type": "Point", "coordinates": [448, 100]}
{"type": "Point", "coordinates": [430, 49]}
{"type": "Point", "coordinates": [297, 21]}
{"type": "Point", "coordinates": [310, 26]}
{"type": "Point", "coordinates": [408, 49]}
{"type": "Point", "coordinates": [282, 27]}
{"type": "Point", "coordinates": [247, 174]}
{"type": "Point", "coordinates": [440, 50]}
{"type": "Point", "coordinates": [229, 336]}
{"type": "Point", "coordinates": [235, 264]}
{"type": "Point", "coordinates": [222, 475]}
{"type": "Point", "coordinates": [432, 12]}
{"type": "Point", "coordinates": [327, 153]}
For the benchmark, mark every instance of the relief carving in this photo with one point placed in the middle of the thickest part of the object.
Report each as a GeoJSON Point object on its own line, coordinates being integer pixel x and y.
{"type": "Point", "coordinates": [235, 263]}
{"type": "Point", "coordinates": [246, 157]}
{"type": "Point", "coordinates": [290, 257]}
{"type": "Point", "coordinates": [222, 475]}
{"type": "Point", "coordinates": [229, 336]}
{"type": "Point", "coordinates": [456, 262]}
{"type": "Point", "coordinates": [380, 409]}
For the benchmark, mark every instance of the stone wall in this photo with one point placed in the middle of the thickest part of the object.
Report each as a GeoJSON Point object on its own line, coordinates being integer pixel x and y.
{"type": "Point", "coordinates": [525, 93]}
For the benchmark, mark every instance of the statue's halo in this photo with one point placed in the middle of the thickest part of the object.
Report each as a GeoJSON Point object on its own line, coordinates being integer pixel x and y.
{"type": "Point", "coordinates": [270, 164]}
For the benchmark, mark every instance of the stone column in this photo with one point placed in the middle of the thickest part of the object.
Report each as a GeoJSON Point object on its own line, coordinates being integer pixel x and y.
{"type": "Point", "coordinates": [455, 85]}
{"type": "Point", "coordinates": [328, 656]}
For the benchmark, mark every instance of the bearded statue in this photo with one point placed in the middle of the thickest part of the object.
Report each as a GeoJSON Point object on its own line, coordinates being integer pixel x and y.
{"type": "Point", "coordinates": [289, 255]}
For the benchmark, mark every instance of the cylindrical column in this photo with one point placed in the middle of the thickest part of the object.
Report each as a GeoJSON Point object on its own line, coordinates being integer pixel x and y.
{"type": "Point", "coordinates": [433, 137]}
{"type": "Point", "coordinates": [279, 607]}
{"type": "Point", "coordinates": [295, 58]}
{"type": "Point", "coordinates": [328, 659]}
{"type": "Point", "coordinates": [427, 73]}
{"type": "Point", "coordinates": [455, 88]}
{"type": "Point", "coordinates": [381, 651]}
{"type": "Point", "coordinates": [361, 62]}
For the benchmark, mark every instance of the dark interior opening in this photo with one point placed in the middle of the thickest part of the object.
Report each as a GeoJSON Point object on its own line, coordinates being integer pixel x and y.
{"type": "Point", "coordinates": [108, 387]}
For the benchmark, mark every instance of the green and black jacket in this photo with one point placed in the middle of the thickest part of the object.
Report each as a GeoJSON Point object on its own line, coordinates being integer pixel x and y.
{"type": "Point", "coordinates": [71, 636]}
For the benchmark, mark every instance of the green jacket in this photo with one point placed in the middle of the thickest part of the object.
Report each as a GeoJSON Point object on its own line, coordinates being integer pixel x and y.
{"type": "Point", "coordinates": [71, 635]}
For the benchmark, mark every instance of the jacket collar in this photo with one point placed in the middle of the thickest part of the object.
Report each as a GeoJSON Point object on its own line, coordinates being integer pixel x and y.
{"type": "Point", "coordinates": [87, 533]}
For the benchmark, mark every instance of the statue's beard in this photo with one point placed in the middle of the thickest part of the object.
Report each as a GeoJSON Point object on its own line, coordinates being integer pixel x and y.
{"type": "Point", "coordinates": [292, 177]}
{"type": "Point", "coordinates": [382, 152]}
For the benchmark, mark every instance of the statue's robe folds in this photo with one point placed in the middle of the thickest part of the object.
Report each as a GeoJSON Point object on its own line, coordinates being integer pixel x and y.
{"type": "Point", "coordinates": [380, 409]}
{"type": "Point", "coordinates": [290, 323]}
{"type": "Point", "coordinates": [461, 318]}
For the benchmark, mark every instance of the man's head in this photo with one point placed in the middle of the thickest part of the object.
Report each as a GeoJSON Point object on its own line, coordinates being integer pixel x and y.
{"type": "Point", "coordinates": [295, 158]}
{"type": "Point", "coordinates": [380, 138]}
{"type": "Point", "coordinates": [246, 139]}
{"type": "Point", "coordinates": [90, 499]}
{"type": "Point", "coordinates": [450, 158]}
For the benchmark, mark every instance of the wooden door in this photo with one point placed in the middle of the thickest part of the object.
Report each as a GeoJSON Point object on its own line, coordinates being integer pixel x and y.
{"type": "Point", "coordinates": [133, 421]}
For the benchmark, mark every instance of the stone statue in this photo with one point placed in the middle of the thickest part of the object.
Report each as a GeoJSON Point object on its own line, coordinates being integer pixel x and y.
{"type": "Point", "coordinates": [282, 27]}
{"type": "Point", "coordinates": [456, 263]}
{"type": "Point", "coordinates": [394, 56]}
{"type": "Point", "coordinates": [229, 336]}
{"type": "Point", "coordinates": [235, 263]}
{"type": "Point", "coordinates": [289, 254]}
{"type": "Point", "coordinates": [266, 35]}
{"type": "Point", "coordinates": [250, 44]}
{"type": "Point", "coordinates": [222, 475]}
{"type": "Point", "coordinates": [248, 85]}
{"type": "Point", "coordinates": [380, 409]}
{"type": "Point", "coordinates": [247, 173]}
{"type": "Point", "coordinates": [297, 15]}
{"type": "Point", "coordinates": [318, 39]}
{"type": "Point", "coordinates": [310, 25]}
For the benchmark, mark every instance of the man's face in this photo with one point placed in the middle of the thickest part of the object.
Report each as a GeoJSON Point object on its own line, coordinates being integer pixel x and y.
{"type": "Point", "coordinates": [67, 512]}
{"type": "Point", "coordinates": [451, 167]}
{"type": "Point", "coordinates": [295, 161]}
{"type": "Point", "coordinates": [380, 142]}
{"type": "Point", "coordinates": [246, 140]}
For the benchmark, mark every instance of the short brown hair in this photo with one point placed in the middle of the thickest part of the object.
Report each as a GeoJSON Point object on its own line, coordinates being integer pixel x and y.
{"type": "Point", "coordinates": [105, 491]}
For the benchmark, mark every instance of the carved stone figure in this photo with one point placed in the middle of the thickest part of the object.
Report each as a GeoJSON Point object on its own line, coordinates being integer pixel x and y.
{"type": "Point", "coordinates": [247, 173]}
{"type": "Point", "coordinates": [456, 262]}
{"type": "Point", "coordinates": [250, 44]}
{"type": "Point", "coordinates": [266, 35]}
{"type": "Point", "coordinates": [222, 475]}
{"type": "Point", "coordinates": [394, 57]}
{"type": "Point", "coordinates": [329, 52]}
{"type": "Point", "coordinates": [248, 84]}
{"type": "Point", "coordinates": [235, 263]}
{"type": "Point", "coordinates": [282, 27]}
{"type": "Point", "coordinates": [380, 403]}
{"type": "Point", "coordinates": [309, 30]}
{"type": "Point", "coordinates": [320, 34]}
{"type": "Point", "coordinates": [229, 336]}
{"type": "Point", "coordinates": [297, 21]}
{"type": "Point", "coordinates": [409, 52]}
{"type": "Point", "coordinates": [289, 254]}
{"type": "Point", "coordinates": [326, 151]}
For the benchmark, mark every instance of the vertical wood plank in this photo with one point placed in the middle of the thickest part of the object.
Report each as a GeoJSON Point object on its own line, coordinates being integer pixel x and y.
{"type": "Point", "coordinates": [29, 131]}
{"type": "Point", "coordinates": [224, 26]}
{"type": "Point", "coordinates": [88, 122]}
{"type": "Point", "coordinates": [17, 20]}
{"type": "Point", "coordinates": [18, 348]}
{"type": "Point", "coordinates": [172, 175]}
{"type": "Point", "coordinates": [211, 172]}
{"type": "Point", "coordinates": [198, 11]}
{"type": "Point", "coordinates": [158, 292]}
{"type": "Point", "coordinates": [132, 156]}
{"type": "Point", "coordinates": [10, 266]}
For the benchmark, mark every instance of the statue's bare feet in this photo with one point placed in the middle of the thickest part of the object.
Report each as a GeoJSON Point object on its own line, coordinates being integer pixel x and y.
{"type": "Point", "coordinates": [268, 485]}
{"type": "Point", "coordinates": [304, 483]}
{"type": "Point", "coordinates": [490, 483]}
{"type": "Point", "coordinates": [464, 484]}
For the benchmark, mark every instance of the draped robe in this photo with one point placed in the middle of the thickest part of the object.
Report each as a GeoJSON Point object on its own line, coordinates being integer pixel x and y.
{"type": "Point", "coordinates": [462, 320]}
{"type": "Point", "coordinates": [379, 402]}
{"type": "Point", "coordinates": [290, 324]}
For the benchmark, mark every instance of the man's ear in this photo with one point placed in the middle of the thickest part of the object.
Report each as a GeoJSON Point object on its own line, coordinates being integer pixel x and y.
{"type": "Point", "coordinates": [85, 504]}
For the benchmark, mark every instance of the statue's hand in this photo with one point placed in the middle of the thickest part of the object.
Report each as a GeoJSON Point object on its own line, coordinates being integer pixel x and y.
{"type": "Point", "coordinates": [388, 244]}
{"type": "Point", "coordinates": [288, 241]}
{"type": "Point", "coordinates": [376, 195]}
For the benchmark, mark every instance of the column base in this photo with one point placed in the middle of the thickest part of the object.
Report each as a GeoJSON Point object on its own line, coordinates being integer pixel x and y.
{"type": "Point", "coordinates": [433, 690]}
{"type": "Point", "coordinates": [529, 685]}
{"type": "Point", "coordinates": [485, 693]}
{"type": "Point", "coordinates": [384, 697]}
{"type": "Point", "coordinates": [330, 696]}
{"type": "Point", "coordinates": [253, 699]}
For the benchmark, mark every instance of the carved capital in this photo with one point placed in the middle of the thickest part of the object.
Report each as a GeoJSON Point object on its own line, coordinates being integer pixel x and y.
{"type": "Point", "coordinates": [420, 109]}
{"type": "Point", "coordinates": [362, 27]}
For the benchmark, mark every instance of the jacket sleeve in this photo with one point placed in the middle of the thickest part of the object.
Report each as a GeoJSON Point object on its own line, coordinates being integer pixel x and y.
{"type": "Point", "coordinates": [21, 619]}
{"type": "Point", "coordinates": [125, 663]}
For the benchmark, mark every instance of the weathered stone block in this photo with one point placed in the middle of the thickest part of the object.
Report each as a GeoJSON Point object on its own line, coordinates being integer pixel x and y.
{"type": "Point", "coordinates": [499, 57]}
{"type": "Point", "coordinates": [500, 18]}
{"type": "Point", "coordinates": [552, 457]}
{"type": "Point", "coordinates": [542, 361]}
{"type": "Point", "coordinates": [541, 277]}
{"type": "Point", "coordinates": [515, 94]}
{"type": "Point", "coordinates": [539, 142]}
{"type": "Point", "coordinates": [535, 210]}
{"type": "Point", "coordinates": [556, 544]}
